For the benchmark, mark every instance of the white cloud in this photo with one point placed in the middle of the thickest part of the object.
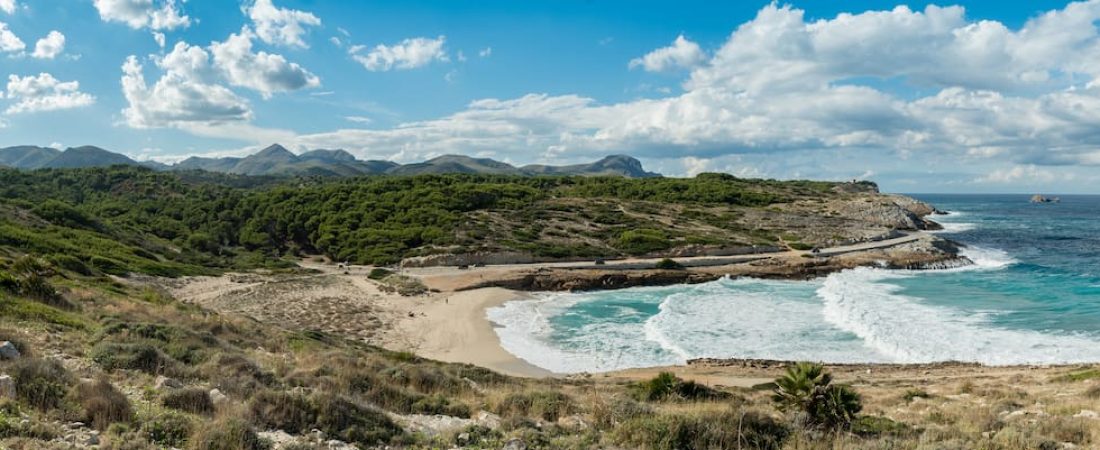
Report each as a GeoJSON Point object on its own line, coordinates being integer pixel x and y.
{"type": "Point", "coordinates": [1028, 175]}
{"type": "Point", "coordinates": [359, 119]}
{"type": "Point", "coordinates": [780, 83]}
{"type": "Point", "coordinates": [160, 39]}
{"type": "Point", "coordinates": [184, 97]}
{"type": "Point", "coordinates": [192, 92]}
{"type": "Point", "coordinates": [280, 26]}
{"type": "Point", "coordinates": [9, 42]}
{"type": "Point", "coordinates": [407, 54]}
{"type": "Point", "coordinates": [138, 14]}
{"type": "Point", "coordinates": [50, 46]}
{"type": "Point", "coordinates": [44, 93]}
{"type": "Point", "coordinates": [485, 52]}
{"type": "Point", "coordinates": [263, 72]}
{"type": "Point", "coordinates": [8, 6]}
{"type": "Point", "coordinates": [682, 54]}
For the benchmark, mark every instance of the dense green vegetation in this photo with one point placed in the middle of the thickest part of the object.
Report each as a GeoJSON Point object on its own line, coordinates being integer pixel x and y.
{"type": "Point", "coordinates": [128, 219]}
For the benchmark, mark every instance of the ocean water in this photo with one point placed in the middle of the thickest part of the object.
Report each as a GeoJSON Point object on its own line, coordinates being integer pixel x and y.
{"type": "Point", "coordinates": [1033, 297]}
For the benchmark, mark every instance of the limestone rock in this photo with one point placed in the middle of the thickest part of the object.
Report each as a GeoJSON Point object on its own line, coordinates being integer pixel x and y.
{"type": "Point", "coordinates": [7, 386]}
{"type": "Point", "coordinates": [164, 383]}
{"type": "Point", "coordinates": [488, 420]}
{"type": "Point", "coordinates": [218, 397]}
{"type": "Point", "coordinates": [515, 444]}
{"type": "Point", "coordinates": [8, 351]}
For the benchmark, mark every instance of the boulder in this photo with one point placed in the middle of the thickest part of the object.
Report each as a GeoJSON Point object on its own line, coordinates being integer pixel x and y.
{"type": "Point", "coordinates": [8, 351]}
{"type": "Point", "coordinates": [7, 386]}
{"type": "Point", "coordinates": [488, 420]}
{"type": "Point", "coordinates": [515, 444]}
{"type": "Point", "coordinates": [218, 397]}
{"type": "Point", "coordinates": [165, 383]}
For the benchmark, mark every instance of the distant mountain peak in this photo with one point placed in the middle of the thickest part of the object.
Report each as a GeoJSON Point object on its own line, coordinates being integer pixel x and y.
{"type": "Point", "coordinates": [274, 151]}
{"type": "Point", "coordinates": [277, 160]}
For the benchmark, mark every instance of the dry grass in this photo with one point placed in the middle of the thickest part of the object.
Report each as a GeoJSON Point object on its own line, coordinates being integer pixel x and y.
{"type": "Point", "coordinates": [102, 404]}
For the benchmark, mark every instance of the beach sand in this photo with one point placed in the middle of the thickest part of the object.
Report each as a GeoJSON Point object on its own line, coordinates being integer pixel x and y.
{"type": "Point", "coordinates": [446, 325]}
{"type": "Point", "coordinates": [454, 328]}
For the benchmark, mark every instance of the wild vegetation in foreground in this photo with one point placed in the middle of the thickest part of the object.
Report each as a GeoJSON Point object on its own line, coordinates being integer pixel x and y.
{"type": "Point", "coordinates": [100, 360]}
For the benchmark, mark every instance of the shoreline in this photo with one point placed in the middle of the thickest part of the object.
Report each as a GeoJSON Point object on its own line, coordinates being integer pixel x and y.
{"type": "Point", "coordinates": [455, 328]}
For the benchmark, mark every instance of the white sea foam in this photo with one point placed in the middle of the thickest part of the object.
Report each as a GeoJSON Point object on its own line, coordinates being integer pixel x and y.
{"type": "Point", "coordinates": [986, 258]}
{"type": "Point", "coordinates": [858, 315]}
{"type": "Point", "coordinates": [724, 319]}
{"type": "Point", "coordinates": [952, 224]}
{"type": "Point", "coordinates": [867, 303]}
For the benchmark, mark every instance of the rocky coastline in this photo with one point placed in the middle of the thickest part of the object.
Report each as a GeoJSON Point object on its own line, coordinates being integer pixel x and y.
{"type": "Point", "coordinates": [927, 253]}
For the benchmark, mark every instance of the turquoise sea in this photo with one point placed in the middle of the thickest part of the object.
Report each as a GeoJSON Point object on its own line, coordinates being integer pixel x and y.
{"type": "Point", "coordinates": [1033, 296]}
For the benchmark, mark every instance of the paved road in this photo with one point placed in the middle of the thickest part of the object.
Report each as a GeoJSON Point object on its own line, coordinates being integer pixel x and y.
{"type": "Point", "coordinates": [688, 261]}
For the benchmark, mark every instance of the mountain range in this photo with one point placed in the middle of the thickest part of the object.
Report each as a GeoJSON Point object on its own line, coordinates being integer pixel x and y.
{"type": "Point", "coordinates": [276, 160]}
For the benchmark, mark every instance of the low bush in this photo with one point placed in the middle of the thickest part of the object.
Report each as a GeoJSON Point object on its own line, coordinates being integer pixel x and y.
{"type": "Point", "coordinates": [545, 405]}
{"type": "Point", "coordinates": [102, 404]}
{"type": "Point", "coordinates": [169, 429]}
{"type": "Point", "coordinates": [41, 383]}
{"type": "Point", "coordinates": [292, 413]}
{"type": "Point", "coordinates": [668, 264]}
{"type": "Point", "coordinates": [667, 386]}
{"type": "Point", "coordinates": [730, 429]}
{"type": "Point", "coordinates": [351, 422]}
{"type": "Point", "coordinates": [334, 415]}
{"type": "Point", "coordinates": [227, 434]}
{"type": "Point", "coordinates": [139, 356]}
{"type": "Point", "coordinates": [379, 273]}
{"type": "Point", "coordinates": [192, 400]}
{"type": "Point", "coordinates": [912, 394]}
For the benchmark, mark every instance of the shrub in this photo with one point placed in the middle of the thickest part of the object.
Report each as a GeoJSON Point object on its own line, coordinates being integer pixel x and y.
{"type": "Point", "coordinates": [642, 241]}
{"type": "Point", "coordinates": [667, 386]}
{"type": "Point", "coordinates": [227, 434]}
{"type": "Point", "coordinates": [669, 264]}
{"type": "Point", "coordinates": [292, 413]}
{"type": "Point", "coordinates": [143, 357]}
{"type": "Point", "coordinates": [546, 405]}
{"type": "Point", "coordinates": [878, 426]}
{"type": "Point", "coordinates": [102, 404]}
{"type": "Point", "coordinates": [1093, 392]}
{"type": "Point", "coordinates": [730, 429]}
{"type": "Point", "coordinates": [911, 394]}
{"type": "Point", "coordinates": [41, 383]}
{"type": "Point", "coordinates": [192, 400]}
{"type": "Point", "coordinates": [237, 375]}
{"type": "Point", "coordinates": [351, 422]}
{"type": "Point", "coordinates": [109, 266]}
{"type": "Point", "coordinates": [806, 388]}
{"type": "Point", "coordinates": [71, 263]}
{"type": "Point", "coordinates": [379, 273]}
{"type": "Point", "coordinates": [169, 429]}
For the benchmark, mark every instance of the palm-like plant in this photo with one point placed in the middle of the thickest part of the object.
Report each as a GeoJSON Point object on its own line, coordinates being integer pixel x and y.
{"type": "Point", "coordinates": [806, 388]}
{"type": "Point", "coordinates": [794, 391]}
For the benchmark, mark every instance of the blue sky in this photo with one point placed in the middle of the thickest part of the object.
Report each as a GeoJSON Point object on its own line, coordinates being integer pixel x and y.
{"type": "Point", "coordinates": [919, 96]}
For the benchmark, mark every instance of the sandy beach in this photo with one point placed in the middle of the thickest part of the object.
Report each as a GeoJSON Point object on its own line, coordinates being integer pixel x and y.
{"type": "Point", "coordinates": [455, 329]}
{"type": "Point", "coordinates": [446, 324]}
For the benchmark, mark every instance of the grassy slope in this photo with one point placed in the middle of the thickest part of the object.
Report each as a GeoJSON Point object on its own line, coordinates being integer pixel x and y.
{"type": "Point", "coordinates": [295, 380]}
